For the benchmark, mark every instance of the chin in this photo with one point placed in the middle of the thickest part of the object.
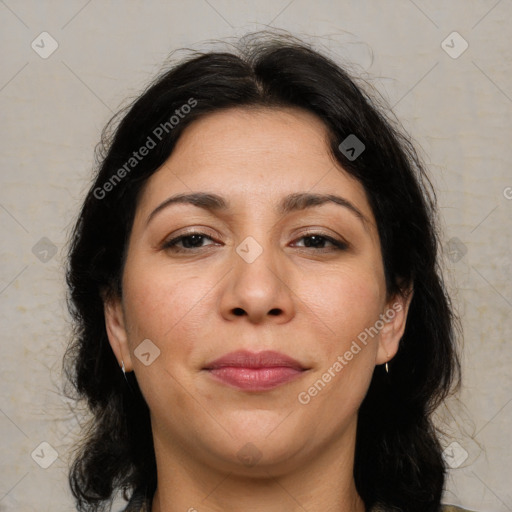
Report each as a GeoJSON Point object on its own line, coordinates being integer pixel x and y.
{"type": "Point", "coordinates": [262, 459]}
{"type": "Point", "coordinates": [259, 448]}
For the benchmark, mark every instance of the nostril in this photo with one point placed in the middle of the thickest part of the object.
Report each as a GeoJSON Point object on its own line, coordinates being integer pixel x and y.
{"type": "Point", "coordinates": [241, 312]}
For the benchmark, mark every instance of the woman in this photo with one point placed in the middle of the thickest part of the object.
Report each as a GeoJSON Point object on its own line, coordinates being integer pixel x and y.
{"type": "Point", "coordinates": [258, 253]}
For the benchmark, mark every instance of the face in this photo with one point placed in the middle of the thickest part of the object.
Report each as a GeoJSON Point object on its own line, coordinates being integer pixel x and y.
{"type": "Point", "coordinates": [258, 268]}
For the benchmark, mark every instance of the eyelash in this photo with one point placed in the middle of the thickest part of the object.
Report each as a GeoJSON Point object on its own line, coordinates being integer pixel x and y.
{"type": "Point", "coordinates": [172, 244]}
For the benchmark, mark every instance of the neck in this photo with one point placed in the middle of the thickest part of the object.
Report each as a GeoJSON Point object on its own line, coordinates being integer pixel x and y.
{"type": "Point", "coordinates": [322, 483]}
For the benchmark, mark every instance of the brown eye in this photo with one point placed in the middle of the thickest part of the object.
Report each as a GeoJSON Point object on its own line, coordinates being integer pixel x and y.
{"type": "Point", "coordinates": [317, 240]}
{"type": "Point", "coordinates": [189, 241]}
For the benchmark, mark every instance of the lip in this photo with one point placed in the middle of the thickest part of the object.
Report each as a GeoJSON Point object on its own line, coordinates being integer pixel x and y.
{"type": "Point", "coordinates": [252, 371]}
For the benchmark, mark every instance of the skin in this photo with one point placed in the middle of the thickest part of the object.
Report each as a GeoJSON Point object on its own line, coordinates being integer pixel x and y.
{"type": "Point", "coordinates": [310, 303]}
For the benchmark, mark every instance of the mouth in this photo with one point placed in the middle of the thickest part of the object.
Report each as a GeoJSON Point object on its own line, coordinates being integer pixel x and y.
{"type": "Point", "coordinates": [251, 371]}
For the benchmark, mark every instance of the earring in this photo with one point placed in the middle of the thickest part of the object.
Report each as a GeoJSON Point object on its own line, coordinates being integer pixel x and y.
{"type": "Point", "coordinates": [387, 369]}
{"type": "Point", "coordinates": [123, 370]}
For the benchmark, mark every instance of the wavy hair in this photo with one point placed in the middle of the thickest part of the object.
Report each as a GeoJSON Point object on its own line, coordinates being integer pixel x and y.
{"type": "Point", "coordinates": [398, 457]}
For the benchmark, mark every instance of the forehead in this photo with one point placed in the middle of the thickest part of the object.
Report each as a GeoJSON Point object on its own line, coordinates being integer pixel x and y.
{"type": "Point", "coordinates": [256, 128]}
{"type": "Point", "coordinates": [253, 154]}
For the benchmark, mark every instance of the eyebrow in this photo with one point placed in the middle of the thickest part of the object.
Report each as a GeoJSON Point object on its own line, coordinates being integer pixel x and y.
{"type": "Point", "coordinates": [293, 202]}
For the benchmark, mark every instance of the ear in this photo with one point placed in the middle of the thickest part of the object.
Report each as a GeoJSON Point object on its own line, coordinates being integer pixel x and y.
{"type": "Point", "coordinates": [395, 317]}
{"type": "Point", "coordinates": [116, 329]}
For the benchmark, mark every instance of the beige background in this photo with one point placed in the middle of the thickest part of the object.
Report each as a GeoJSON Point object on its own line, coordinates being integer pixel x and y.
{"type": "Point", "coordinates": [458, 109]}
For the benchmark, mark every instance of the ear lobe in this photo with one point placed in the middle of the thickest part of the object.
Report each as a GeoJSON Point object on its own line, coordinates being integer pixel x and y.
{"type": "Point", "coordinates": [116, 330]}
{"type": "Point", "coordinates": [395, 317]}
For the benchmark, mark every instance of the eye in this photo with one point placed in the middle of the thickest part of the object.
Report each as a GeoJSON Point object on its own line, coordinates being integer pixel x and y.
{"type": "Point", "coordinates": [189, 241]}
{"type": "Point", "coordinates": [315, 240]}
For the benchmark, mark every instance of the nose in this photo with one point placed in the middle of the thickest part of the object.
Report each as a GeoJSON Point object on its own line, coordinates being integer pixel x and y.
{"type": "Point", "coordinates": [258, 290]}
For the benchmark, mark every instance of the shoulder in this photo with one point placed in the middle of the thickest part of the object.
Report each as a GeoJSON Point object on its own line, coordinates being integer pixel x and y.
{"type": "Point", "coordinates": [454, 508]}
{"type": "Point", "coordinates": [444, 508]}
{"type": "Point", "coordinates": [140, 503]}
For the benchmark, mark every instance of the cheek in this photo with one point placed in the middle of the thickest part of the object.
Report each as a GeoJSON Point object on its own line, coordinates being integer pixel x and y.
{"type": "Point", "coordinates": [346, 301]}
{"type": "Point", "coordinates": [347, 305]}
{"type": "Point", "coordinates": [165, 307]}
